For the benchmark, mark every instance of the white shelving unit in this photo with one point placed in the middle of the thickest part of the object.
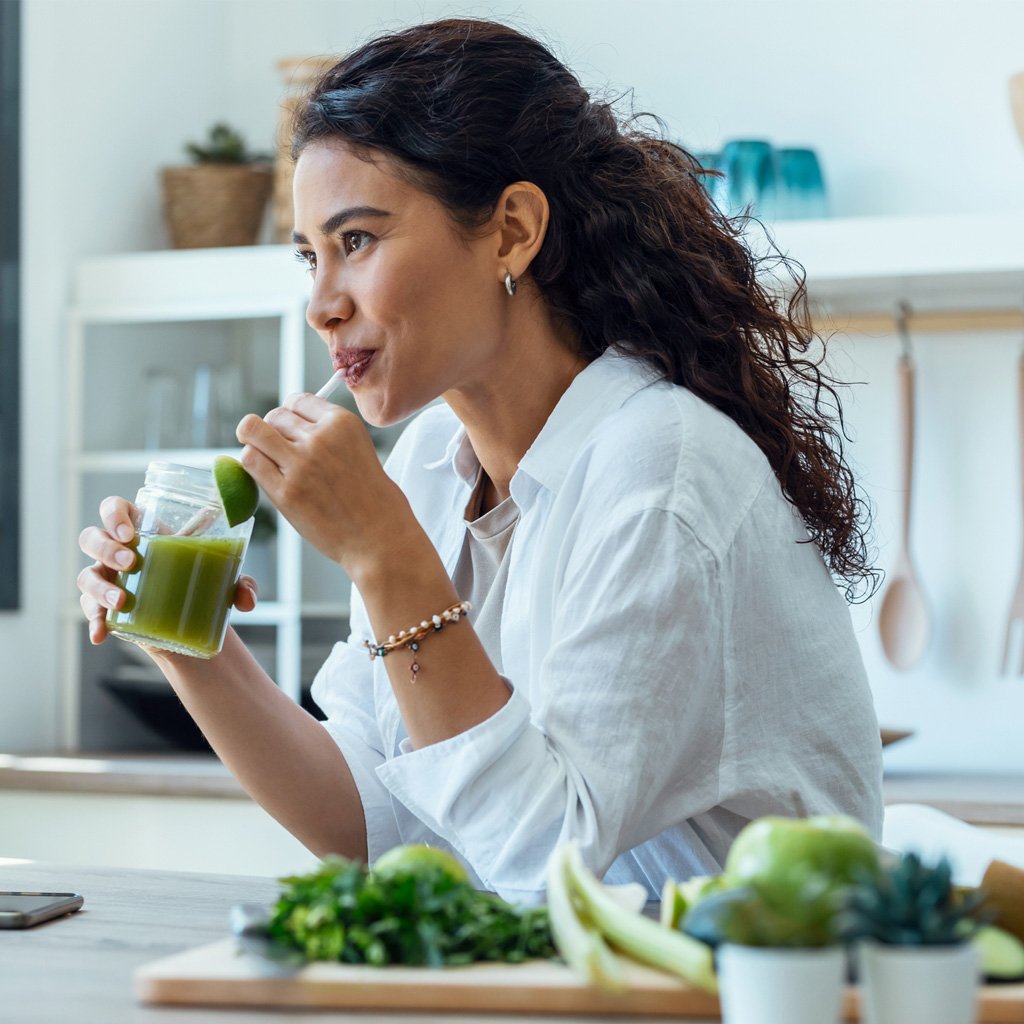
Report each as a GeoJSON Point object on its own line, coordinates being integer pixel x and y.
{"type": "Point", "coordinates": [184, 292]}
{"type": "Point", "coordinates": [956, 272]}
{"type": "Point", "coordinates": [953, 268]}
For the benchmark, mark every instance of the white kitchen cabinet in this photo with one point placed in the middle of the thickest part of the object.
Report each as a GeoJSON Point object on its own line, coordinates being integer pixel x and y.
{"type": "Point", "coordinates": [211, 334]}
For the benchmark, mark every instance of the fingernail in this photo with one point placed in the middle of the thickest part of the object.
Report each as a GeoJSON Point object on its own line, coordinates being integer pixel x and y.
{"type": "Point", "coordinates": [124, 532]}
{"type": "Point", "coordinates": [124, 558]}
{"type": "Point", "coordinates": [255, 590]}
{"type": "Point", "coordinates": [113, 596]}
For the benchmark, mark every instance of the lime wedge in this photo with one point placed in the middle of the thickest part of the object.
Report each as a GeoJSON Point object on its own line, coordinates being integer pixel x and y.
{"type": "Point", "coordinates": [238, 491]}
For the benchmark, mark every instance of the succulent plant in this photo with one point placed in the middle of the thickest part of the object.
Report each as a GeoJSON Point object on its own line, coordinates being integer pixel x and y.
{"type": "Point", "coordinates": [911, 903]}
{"type": "Point", "coordinates": [223, 146]}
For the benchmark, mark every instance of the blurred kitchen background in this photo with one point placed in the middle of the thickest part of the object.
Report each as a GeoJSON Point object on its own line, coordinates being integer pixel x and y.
{"type": "Point", "coordinates": [907, 108]}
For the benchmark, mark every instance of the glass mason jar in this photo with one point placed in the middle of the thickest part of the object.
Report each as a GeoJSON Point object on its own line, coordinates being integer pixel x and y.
{"type": "Point", "coordinates": [180, 588]}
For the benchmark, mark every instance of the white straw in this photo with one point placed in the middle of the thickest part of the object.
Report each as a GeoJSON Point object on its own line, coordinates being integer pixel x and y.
{"type": "Point", "coordinates": [332, 385]}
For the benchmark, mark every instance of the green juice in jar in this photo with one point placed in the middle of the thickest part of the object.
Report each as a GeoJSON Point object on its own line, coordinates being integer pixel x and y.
{"type": "Point", "coordinates": [179, 592]}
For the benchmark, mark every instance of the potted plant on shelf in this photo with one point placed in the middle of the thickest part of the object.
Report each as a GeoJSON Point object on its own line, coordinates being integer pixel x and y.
{"type": "Point", "coordinates": [912, 931]}
{"type": "Point", "coordinates": [220, 199]}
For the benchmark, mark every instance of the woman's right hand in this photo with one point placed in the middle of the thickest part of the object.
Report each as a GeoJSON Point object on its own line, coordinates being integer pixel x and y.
{"type": "Point", "coordinates": [110, 547]}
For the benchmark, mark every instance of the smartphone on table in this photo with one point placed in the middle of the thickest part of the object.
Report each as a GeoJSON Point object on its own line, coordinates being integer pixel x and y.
{"type": "Point", "coordinates": [25, 909]}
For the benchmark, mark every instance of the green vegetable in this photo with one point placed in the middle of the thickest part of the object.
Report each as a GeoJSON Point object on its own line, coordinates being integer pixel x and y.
{"type": "Point", "coordinates": [343, 912]}
{"type": "Point", "coordinates": [1000, 954]}
{"type": "Point", "coordinates": [638, 936]}
{"type": "Point", "coordinates": [578, 942]}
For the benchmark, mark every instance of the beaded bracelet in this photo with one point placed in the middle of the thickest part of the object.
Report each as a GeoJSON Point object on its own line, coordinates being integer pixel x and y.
{"type": "Point", "coordinates": [412, 636]}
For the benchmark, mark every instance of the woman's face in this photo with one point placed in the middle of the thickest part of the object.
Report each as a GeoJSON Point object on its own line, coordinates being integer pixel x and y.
{"type": "Point", "coordinates": [407, 306]}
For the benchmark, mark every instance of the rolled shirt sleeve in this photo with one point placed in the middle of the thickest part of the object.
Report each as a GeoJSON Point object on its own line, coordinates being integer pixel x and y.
{"type": "Point", "coordinates": [343, 689]}
{"type": "Point", "coordinates": [620, 734]}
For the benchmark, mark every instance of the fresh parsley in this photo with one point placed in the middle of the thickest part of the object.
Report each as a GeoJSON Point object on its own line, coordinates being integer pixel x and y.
{"type": "Point", "coordinates": [343, 912]}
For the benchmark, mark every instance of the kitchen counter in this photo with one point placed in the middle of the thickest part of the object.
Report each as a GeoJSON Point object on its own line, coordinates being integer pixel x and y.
{"type": "Point", "coordinates": [986, 799]}
{"type": "Point", "coordinates": [79, 968]}
{"type": "Point", "coordinates": [184, 775]}
{"type": "Point", "coordinates": [982, 799]}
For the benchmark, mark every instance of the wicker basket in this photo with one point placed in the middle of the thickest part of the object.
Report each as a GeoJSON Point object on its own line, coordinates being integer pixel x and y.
{"type": "Point", "coordinates": [215, 204]}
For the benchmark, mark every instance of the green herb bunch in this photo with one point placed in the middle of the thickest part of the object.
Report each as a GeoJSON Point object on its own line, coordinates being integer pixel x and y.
{"type": "Point", "coordinates": [343, 912]}
{"type": "Point", "coordinates": [911, 903]}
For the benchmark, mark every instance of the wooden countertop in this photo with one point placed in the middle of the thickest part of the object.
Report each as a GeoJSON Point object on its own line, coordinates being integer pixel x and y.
{"type": "Point", "coordinates": [79, 968]}
{"type": "Point", "coordinates": [992, 799]}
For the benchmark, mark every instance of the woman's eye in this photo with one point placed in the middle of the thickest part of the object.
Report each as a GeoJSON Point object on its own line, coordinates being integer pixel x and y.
{"type": "Point", "coordinates": [354, 240]}
{"type": "Point", "coordinates": [306, 256]}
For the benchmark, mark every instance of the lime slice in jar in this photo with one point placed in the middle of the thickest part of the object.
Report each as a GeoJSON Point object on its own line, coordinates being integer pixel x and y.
{"type": "Point", "coordinates": [238, 492]}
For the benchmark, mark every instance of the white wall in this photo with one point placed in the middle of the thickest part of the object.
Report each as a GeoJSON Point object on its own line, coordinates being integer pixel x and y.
{"type": "Point", "coordinates": [906, 103]}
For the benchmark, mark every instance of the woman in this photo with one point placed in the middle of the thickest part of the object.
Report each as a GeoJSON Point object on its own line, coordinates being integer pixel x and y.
{"type": "Point", "coordinates": [629, 478]}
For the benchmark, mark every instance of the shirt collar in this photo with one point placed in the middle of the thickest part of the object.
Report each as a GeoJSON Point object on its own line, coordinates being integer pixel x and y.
{"type": "Point", "coordinates": [600, 388]}
{"type": "Point", "coordinates": [460, 456]}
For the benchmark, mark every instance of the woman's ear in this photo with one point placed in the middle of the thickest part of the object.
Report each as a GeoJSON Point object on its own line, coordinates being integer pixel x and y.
{"type": "Point", "coordinates": [521, 219]}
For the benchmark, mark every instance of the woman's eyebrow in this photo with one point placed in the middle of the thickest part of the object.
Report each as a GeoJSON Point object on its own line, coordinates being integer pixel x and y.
{"type": "Point", "coordinates": [338, 220]}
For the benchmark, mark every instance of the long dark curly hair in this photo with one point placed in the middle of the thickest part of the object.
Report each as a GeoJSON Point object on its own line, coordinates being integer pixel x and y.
{"type": "Point", "coordinates": [636, 256]}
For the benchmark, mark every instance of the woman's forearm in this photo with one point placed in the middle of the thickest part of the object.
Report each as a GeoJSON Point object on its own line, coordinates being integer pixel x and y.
{"type": "Point", "coordinates": [282, 756]}
{"type": "Point", "coordinates": [457, 686]}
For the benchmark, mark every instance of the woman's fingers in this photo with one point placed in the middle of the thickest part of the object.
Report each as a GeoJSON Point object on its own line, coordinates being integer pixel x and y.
{"type": "Point", "coordinates": [257, 433]}
{"type": "Point", "coordinates": [98, 544]}
{"type": "Point", "coordinates": [246, 593]}
{"type": "Point", "coordinates": [96, 585]}
{"type": "Point", "coordinates": [116, 516]}
{"type": "Point", "coordinates": [97, 596]}
{"type": "Point", "coordinates": [108, 547]}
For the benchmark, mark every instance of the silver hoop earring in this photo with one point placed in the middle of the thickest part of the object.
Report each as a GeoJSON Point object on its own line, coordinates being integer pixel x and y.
{"type": "Point", "coordinates": [510, 283]}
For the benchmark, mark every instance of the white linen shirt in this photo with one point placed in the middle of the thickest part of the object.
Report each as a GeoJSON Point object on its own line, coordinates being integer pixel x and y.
{"type": "Point", "coordinates": [678, 657]}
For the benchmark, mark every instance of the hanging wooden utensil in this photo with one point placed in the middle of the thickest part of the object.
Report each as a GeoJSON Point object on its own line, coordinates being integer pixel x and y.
{"type": "Point", "coordinates": [903, 620]}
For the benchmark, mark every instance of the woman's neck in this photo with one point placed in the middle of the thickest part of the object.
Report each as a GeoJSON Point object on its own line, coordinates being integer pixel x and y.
{"type": "Point", "coordinates": [504, 413]}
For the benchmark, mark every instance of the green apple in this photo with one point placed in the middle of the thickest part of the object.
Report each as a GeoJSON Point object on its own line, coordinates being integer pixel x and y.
{"type": "Point", "coordinates": [418, 860]}
{"type": "Point", "coordinates": [781, 853]}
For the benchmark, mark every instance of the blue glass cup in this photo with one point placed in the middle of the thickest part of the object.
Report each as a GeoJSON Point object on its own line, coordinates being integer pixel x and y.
{"type": "Point", "coordinates": [801, 185]}
{"type": "Point", "coordinates": [713, 183]}
{"type": "Point", "coordinates": [751, 181]}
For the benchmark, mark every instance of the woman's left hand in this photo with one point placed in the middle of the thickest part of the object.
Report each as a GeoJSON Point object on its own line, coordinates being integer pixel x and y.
{"type": "Point", "coordinates": [317, 464]}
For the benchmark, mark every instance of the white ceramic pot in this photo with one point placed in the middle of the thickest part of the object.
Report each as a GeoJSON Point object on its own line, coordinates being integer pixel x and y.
{"type": "Point", "coordinates": [917, 984]}
{"type": "Point", "coordinates": [780, 986]}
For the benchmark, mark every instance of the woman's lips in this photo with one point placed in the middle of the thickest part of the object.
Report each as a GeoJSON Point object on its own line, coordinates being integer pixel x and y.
{"type": "Point", "coordinates": [353, 363]}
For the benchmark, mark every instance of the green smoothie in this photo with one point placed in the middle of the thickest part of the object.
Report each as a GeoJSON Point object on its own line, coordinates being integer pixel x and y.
{"type": "Point", "coordinates": [179, 593]}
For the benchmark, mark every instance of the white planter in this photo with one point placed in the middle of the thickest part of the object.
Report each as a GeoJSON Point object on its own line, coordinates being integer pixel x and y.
{"type": "Point", "coordinates": [781, 986]}
{"type": "Point", "coordinates": [917, 984]}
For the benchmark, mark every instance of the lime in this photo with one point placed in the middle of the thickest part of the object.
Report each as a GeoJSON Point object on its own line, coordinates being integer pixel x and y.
{"type": "Point", "coordinates": [418, 860]}
{"type": "Point", "coordinates": [238, 492]}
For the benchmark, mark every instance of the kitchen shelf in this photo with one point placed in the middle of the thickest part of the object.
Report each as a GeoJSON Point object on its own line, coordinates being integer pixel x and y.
{"type": "Point", "coordinates": [942, 266]}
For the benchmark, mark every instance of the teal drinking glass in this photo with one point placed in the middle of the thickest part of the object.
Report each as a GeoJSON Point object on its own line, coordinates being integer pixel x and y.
{"type": "Point", "coordinates": [801, 185]}
{"type": "Point", "coordinates": [751, 183]}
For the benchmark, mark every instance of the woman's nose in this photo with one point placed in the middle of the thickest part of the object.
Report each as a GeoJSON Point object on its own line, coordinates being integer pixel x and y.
{"type": "Point", "coordinates": [328, 305]}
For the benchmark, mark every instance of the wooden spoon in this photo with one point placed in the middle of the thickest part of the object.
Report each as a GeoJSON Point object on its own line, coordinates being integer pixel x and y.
{"type": "Point", "coordinates": [903, 620]}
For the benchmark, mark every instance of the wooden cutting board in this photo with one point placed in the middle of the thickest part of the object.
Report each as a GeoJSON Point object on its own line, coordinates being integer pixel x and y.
{"type": "Point", "coordinates": [218, 975]}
